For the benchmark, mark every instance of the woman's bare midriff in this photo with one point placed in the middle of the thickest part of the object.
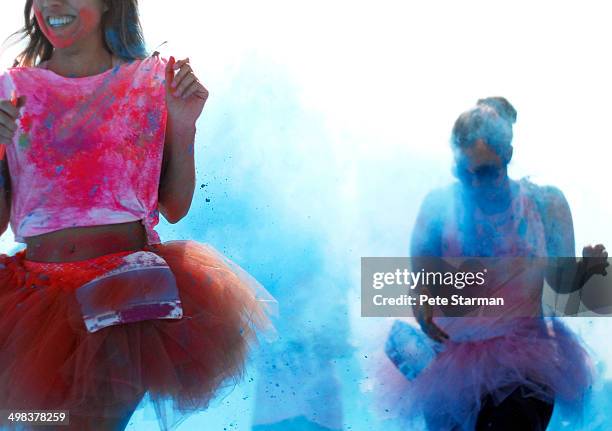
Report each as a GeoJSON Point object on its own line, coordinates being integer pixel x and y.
{"type": "Point", "coordinates": [81, 243]}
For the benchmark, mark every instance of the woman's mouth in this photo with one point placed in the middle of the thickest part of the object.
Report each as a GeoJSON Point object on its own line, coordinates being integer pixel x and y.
{"type": "Point", "coordinates": [60, 21]}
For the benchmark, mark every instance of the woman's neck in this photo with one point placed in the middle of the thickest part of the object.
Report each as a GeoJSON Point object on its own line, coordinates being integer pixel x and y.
{"type": "Point", "coordinates": [496, 200]}
{"type": "Point", "coordinates": [85, 58]}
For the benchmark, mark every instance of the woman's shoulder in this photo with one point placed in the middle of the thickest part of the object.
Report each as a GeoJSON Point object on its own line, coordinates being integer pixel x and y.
{"type": "Point", "coordinates": [151, 67]}
{"type": "Point", "coordinates": [154, 62]}
{"type": "Point", "coordinates": [440, 194]}
{"type": "Point", "coordinates": [439, 199]}
{"type": "Point", "coordinates": [550, 201]}
{"type": "Point", "coordinates": [8, 73]}
{"type": "Point", "coordinates": [17, 69]}
{"type": "Point", "coordinates": [546, 194]}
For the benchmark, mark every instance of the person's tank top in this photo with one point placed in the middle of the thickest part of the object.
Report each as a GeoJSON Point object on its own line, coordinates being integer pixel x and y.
{"type": "Point", "coordinates": [517, 232]}
{"type": "Point", "coordinates": [88, 151]}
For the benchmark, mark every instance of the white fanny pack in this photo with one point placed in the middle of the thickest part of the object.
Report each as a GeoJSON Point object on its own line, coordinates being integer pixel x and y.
{"type": "Point", "coordinates": [142, 288]}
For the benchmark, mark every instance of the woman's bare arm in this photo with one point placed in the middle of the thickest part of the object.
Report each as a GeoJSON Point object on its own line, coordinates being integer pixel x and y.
{"type": "Point", "coordinates": [5, 196]}
{"type": "Point", "coordinates": [9, 113]}
{"type": "Point", "coordinates": [177, 182]}
{"type": "Point", "coordinates": [426, 242]}
{"type": "Point", "coordinates": [564, 274]}
{"type": "Point", "coordinates": [185, 99]}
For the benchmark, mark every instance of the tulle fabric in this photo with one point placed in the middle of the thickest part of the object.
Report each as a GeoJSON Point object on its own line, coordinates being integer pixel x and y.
{"type": "Point", "coordinates": [491, 352]}
{"type": "Point", "coordinates": [49, 361]}
{"type": "Point", "coordinates": [542, 355]}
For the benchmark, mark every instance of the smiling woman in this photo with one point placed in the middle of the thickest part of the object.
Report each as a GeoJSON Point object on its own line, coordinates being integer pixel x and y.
{"type": "Point", "coordinates": [99, 142]}
{"type": "Point", "coordinates": [115, 22]}
{"type": "Point", "coordinates": [63, 30]}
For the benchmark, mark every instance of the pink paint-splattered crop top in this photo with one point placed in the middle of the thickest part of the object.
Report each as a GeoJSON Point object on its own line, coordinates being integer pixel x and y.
{"type": "Point", "coordinates": [88, 151]}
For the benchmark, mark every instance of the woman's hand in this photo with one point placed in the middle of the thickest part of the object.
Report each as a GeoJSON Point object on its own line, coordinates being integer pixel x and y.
{"type": "Point", "coordinates": [9, 113]}
{"type": "Point", "coordinates": [424, 316]}
{"type": "Point", "coordinates": [595, 260]}
{"type": "Point", "coordinates": [185, 94]}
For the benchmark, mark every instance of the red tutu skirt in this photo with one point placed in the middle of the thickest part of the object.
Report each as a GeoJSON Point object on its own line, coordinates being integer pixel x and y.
{"type": "Point", "coordinates": [50, 361]}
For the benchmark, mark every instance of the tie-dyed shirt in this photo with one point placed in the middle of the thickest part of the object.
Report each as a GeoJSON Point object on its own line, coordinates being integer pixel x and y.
{"type": "Point", "coordinates": [88, 150]}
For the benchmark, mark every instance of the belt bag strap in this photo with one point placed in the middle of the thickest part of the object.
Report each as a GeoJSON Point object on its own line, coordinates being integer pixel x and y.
{"type": "Point", "coordinates": [143, 287]}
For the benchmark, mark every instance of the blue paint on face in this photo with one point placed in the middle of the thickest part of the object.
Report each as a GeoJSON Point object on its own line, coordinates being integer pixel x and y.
{"type": "Point", "coordinates": [485, 125]}
{"type": "Point", "coordinates": [58, 169]}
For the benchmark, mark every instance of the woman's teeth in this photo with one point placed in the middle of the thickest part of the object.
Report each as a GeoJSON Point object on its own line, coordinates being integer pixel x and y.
{"type": "Point", "coordinates": [59, 21]}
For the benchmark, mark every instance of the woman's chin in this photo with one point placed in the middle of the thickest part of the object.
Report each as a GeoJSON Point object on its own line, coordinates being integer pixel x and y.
{"type": "Point", "coordinates": [63, 37]}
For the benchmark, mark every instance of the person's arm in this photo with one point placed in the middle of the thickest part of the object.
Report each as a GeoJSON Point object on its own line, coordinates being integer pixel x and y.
{"type": "Point", "coordinates": [426, 241]}
{"type": "Point", "coordinates": [9, 112]}
{"type": "Point", "coordinates": [185, 99]}
{"type": "Point", "coordinates": [565, 273]}
{"type": "Point", "coordinates": [177, 182]}
{"type": "Point", "coordinates": [5, 196]}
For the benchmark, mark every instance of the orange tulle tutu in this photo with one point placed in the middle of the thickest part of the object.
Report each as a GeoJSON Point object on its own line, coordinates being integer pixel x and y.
{"type": "Point", "coordinates": [49, 360]}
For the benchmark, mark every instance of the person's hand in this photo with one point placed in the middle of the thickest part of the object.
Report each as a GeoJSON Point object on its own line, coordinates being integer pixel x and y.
{"type": "Point", "coordinates": [595, 259]}
{"type": "Point", "coordinates": [185, 94]}
{"type": "Point", "coordinates": [424, 316]}
{"type": "Point", "coordinates": [9, 113]}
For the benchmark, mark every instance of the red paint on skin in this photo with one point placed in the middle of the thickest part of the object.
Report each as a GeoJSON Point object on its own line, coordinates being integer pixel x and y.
{"type": "Point", "coordinates": [87, 21]}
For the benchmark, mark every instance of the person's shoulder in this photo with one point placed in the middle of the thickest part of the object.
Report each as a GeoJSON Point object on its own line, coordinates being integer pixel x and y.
{"type": "Point", "coordinates": [438, 198]}
{"type": "Point", "coordinates": [542, 191]}
{"type": "Point", "coordinates": [141, 63]}
{"type": "Point", "coordinates": [151, 67]}
{"type": "Point", "coordinates": [444, 192]}
{"type": "Point", "coordinates": [549, 198]}
{"type": "Point", "coordinates": [154, 62]}
{"type": "Point", "coordinates": [16, 68]}
{"type": "Point", "coordinates": [11, 74]}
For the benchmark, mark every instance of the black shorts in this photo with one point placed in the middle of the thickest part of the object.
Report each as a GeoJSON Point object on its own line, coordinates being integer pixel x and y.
{"type": "Point", "coordinates": [516, 412]}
